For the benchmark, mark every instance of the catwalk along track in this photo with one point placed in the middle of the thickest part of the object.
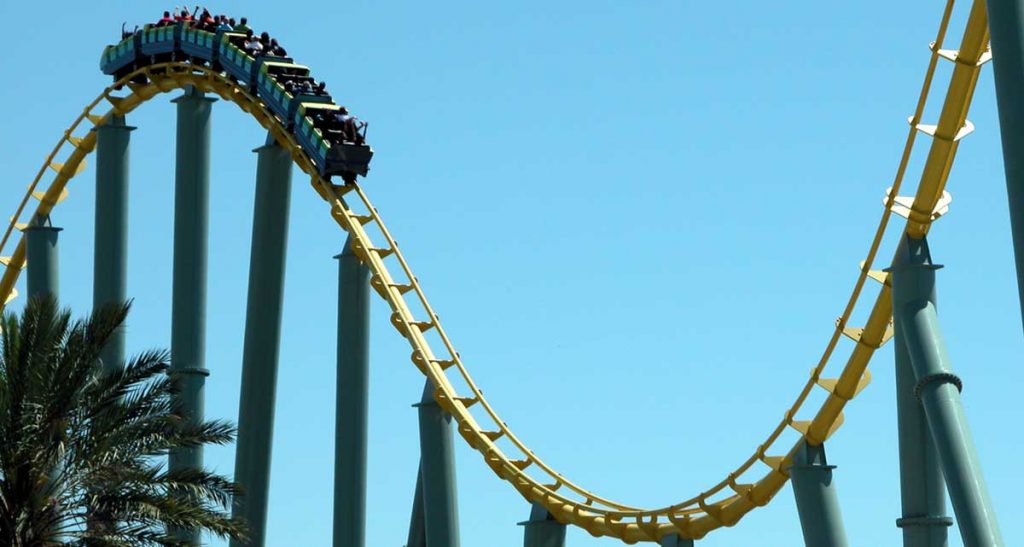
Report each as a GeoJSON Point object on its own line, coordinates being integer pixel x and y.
{"type": "Point", "coordinates": [753, 483]}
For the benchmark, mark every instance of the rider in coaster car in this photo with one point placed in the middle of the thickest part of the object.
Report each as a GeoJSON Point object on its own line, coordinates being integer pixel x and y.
{"type": "Point", "coordinates": [252, 44]}
{"type": "Point", "coordinates": [165, 20]}
{"type": "Point", "coordinates": [349, 125]}
{"type": "Point", "coordinates": [276, 50]}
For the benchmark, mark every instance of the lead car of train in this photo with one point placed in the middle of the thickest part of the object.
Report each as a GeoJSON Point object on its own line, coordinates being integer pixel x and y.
{"type": "Point", "coordinates": [308, 114]}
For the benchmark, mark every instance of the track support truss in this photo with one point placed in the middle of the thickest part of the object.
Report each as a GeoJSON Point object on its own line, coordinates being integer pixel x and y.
{"type": "Point", "coordinates": [110, 249]}
{"type": "Point", "coordinates": [542, 530]}
{"type": "Point", "coordinates": [188, 308]}
{"type": "Point", "coordinates": [913, 283]}
{"type": "Point", "coordinates": [923, 494]}
{"type": "Point", "coordinates": [352, 399]}
{"type": "Point", "coordinates": [43, 259]}
{"type": "Point", "coordinates": [261, 348]}
{"type": "Point", "coordinates": [673, 540]}
{"type": "Point", "coordinates": [1007, 31]}
{"type": "Point", "coordinates": [816, 498]}
{"type": "Point", "coordinates": [437, 465]}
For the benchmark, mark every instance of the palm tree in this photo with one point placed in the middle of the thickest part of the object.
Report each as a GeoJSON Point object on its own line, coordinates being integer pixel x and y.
{"type": "Point", "coordinates": [82, 451]}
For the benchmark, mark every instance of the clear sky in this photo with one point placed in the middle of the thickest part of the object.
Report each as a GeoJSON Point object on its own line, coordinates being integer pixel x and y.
{"type": "Point", "coordinates": [638, 221]}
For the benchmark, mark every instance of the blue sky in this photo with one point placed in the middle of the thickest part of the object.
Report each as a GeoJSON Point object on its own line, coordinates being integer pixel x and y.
{"type": "Point", "coordinates": [638, 221]}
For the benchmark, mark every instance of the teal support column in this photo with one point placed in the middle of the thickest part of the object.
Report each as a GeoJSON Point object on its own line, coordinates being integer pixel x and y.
{"type": "Point", "coordinates": [417, 526]}
{"type": "Point", "coordinates": [1006, 26]}
{"type": "Point", "coordinates": [437, 462]}
{"type": "Point", "coordinates": [923, 493]}
{"type": "Point", "coordinates": [542, 530]}
{"type": "Point", "coordinates": [110, 249]}
{"type": "Point", "coordinates": [352, 399]}
{"type": "Point", "coordinates": [188, 309]}
{"type": "Point", "coordinates": [673, 540]}
{"type": "Point", "coordinates": [913, 289]}
{"type": "Point", "coordinates": [817, 500]}
{"type": "Point", "coordinates": [261, 348]}
{"type": "Point", "coordinates": [43, 269]}
{"type": "Point", "coordinates": [42, 258]}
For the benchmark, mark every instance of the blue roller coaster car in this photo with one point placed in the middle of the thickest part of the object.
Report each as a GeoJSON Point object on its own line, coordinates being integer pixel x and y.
{"type": "Point", "coordinates": [335, 147]}
{"type": "Point", "coordinates": [118, 60]}
{"type": "Point", "coordinates": [232, 57]}
{"type": "Point", "coordinates": [198, 43]}
{"type": "Point", "coordinates": [160, 41]}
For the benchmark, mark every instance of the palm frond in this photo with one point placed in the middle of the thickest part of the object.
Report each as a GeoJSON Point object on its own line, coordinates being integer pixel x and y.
{"type": "Point", "coordinates": [81, 444]}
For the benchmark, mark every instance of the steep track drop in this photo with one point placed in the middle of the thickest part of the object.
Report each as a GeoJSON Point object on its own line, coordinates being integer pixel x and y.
{"type": "Point", "coordinates": [724, 503]}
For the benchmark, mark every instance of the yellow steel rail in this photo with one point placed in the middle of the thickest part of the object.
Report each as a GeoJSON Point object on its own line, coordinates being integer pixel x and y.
{"type": "Point", "coordinates": [724, 503]}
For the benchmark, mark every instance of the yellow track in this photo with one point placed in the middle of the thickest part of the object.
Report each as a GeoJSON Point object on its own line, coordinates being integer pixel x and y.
{"type": "Point", "coordinates": [724, 503]}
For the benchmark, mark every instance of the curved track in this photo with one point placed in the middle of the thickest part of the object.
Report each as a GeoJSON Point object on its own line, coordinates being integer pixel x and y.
{"type": "Point", "coordinates": [751, 484]}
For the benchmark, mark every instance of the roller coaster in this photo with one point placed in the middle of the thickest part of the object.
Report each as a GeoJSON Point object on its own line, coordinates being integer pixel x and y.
{"type": "Point", "coordinates": [935, 446]}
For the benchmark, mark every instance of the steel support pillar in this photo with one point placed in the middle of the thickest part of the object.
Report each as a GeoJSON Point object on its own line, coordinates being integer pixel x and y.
{"type": "Point", "coordinates": [542, 530]}
{"type": "Point", "coordinates": [261, 348]}
{"type": "Point", "coordinates": [43, 274]}
{"type": "Point", "coordinates": [437, 463]}
{"type": "Point", "coordinates": [817, 500]}
{"type": "Point", "coordinates": [110, 249]}
{"type": "Point", "coordinates": [351, 400]}
{"type": "Point", "coordinates": [673, 540]}
{"type": "Point", "coordinates": [923, 494]}
{"type": "Point", "coordinates": [417, 526]}
{"type": "Point", "coordinates": [188, 309]}
{"type": "Point", "coordinates": [1006, 26]}
{"type": "Point", "coordinates": [42, 258]}
{"type": "Point", "coordinates": [913, 289]}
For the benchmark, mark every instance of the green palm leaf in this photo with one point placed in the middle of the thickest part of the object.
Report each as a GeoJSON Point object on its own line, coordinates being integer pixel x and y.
{"type": "Point", "coordinates": [82, 451]}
